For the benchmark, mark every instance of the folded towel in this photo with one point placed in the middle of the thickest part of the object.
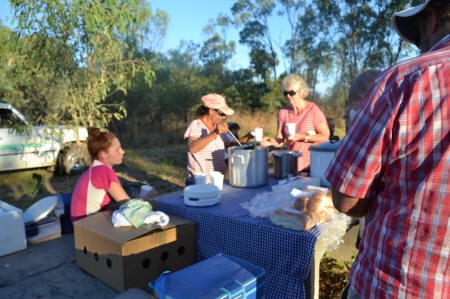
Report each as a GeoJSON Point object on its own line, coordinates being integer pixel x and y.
{"type": "Point", "coordinates": [135, 211]}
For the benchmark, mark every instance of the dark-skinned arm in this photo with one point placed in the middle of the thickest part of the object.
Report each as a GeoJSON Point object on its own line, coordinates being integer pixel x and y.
{"type": "Point", "coordinates": [352, 206]}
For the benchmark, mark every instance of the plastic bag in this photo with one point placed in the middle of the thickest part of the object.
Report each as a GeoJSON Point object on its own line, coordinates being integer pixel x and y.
{"type": "Point", "coordinates": [333, 229]}
{"type": "Point", "coordinates": [264, 203]}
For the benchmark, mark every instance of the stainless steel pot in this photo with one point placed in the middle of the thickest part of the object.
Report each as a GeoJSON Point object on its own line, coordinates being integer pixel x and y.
{"type": "Point", "coordinates": [247, 165]}
{"type": "Point", "coordinates": [286, 163]}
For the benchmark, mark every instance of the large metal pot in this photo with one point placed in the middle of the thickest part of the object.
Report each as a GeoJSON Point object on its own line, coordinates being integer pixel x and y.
{"type": "Point", "coordinates": [247, 165]}
{"type": "Point", "coordinates": [286, 163]}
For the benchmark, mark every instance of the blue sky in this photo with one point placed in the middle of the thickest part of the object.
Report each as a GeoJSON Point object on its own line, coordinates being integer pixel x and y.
{"type": "Point", "coordinates": [188, 18]}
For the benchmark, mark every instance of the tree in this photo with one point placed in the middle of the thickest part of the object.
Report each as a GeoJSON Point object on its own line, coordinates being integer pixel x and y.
{"type": "Point", "coordinates": [253, 16]}
{"type": "Point", "coordinates": [308, 49]}
{"type": "Point", "coordinates": [31, 69]}
{"type": "Point", "coordinates": [101, 64]}
{"type": "Point", "coordinates": [363, 35]}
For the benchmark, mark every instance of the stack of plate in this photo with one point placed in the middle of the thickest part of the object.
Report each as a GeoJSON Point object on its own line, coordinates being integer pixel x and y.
{"type": "Point", "coordinates": [202, 195]}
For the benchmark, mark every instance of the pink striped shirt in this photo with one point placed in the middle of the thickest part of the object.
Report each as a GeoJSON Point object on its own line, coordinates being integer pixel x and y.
{"type": "Point", "coordinates": [309, 119]}
{"type": "Point", "coordinates": [397, 154]}
{"type": "Point", "coordinates": [211, 157]}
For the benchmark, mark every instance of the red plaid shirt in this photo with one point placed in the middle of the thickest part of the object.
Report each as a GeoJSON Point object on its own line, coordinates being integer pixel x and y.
{"type": "Point", "coordinates": [397, 154]}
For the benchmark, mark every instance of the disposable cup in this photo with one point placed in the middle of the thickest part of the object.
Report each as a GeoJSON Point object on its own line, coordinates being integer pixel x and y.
{"type": "Point", "coordinates": [200, 178]}
{"type": "Point", "coordinates": [145, 191]}
{"type": "Point", "coordinates": [258, 134]}
{"type": "Point", "coordinates": [216, 179]}
{"type": "Point", "coordinates": [291, 130]}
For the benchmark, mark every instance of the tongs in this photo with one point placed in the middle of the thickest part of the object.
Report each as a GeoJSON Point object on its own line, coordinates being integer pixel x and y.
{"type": "Point", "coordinates": [240, 144]}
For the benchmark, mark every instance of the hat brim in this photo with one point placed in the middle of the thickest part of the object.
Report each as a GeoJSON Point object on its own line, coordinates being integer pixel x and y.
{"type": "Point", "coordinates": [227, 110]}
{"type": "Point", "coordinates": [405, 23]}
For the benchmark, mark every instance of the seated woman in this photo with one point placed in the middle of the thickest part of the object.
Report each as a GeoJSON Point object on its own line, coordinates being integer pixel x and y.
{"type": "Point", "coordinates": [99, 183]}
{"type": "Point", "coordinates": [206, 137]}
{"type": "Point", "coordinates": [310, 122]}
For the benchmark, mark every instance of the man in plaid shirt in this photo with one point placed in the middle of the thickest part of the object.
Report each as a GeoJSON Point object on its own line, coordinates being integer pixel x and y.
{"type": "Point", "coordinates": [394, 167]}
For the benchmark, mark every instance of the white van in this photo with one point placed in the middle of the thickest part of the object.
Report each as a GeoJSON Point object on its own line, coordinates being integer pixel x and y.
{"type": "Point", "coordinates": [23, 146]}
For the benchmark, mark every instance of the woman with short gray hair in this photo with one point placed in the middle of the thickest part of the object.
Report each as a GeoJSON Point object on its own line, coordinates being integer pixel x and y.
{"type": "Point", "coordinates": [297, 83]}
{"type": "Point", "coordinates": [306, 122]}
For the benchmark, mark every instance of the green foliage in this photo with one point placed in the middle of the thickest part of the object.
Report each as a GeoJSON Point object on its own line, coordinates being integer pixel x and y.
{"type": "Point", "coordinates": [363, 35]}
{"type": "Point", "coordinates": [97, 62]}
{"type": "Point", "coordinates": [252, 17]}
{"type": "Point", "coordinates": [83, 53]}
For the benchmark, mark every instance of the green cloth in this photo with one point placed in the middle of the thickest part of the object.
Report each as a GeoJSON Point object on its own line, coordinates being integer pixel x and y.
{"type": "Point", "coordinates": [135, 211]}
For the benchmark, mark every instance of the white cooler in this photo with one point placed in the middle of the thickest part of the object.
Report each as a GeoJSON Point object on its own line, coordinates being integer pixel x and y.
{"type": "Point", "coordinates": [12, 229]}
{"type": "Point", "coordinates": [321, 156]}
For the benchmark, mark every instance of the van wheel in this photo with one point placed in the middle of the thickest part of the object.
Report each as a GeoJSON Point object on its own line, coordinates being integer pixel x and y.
{"type": "Point", "coordinates": [75, 159]}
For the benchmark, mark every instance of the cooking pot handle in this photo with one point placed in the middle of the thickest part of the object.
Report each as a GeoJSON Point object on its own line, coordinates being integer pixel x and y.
{"type": "Point", "coordinates": [238, 156]}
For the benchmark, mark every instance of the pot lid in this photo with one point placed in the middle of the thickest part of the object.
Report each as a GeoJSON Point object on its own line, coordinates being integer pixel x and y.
{"type": "Point", "coordinates": [201, 191]}
{"type": "Point", "coordinates": [324, 147]}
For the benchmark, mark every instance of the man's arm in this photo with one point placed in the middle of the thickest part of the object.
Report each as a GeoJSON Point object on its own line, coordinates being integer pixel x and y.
{"type": "Point", "coordinates": [355, 207]}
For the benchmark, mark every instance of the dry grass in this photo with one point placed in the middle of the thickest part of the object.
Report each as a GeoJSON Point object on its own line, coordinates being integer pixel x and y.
{"type": "Point", "coordinates": [162, 167]}
{"type": "Point", "coordinates": [248, 121]}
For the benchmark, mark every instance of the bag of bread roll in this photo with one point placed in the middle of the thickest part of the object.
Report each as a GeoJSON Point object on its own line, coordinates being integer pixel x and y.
{"type": "Point", "coordinates": [300, 203]}
{"type": "Point", "coordinates": [292, 219]}
{"type": "Point", "coordinates": [320, 206]}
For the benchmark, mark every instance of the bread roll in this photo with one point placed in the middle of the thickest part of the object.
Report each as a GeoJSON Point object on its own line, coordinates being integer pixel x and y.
{"type": "Point", "coordinates": [320, 205]}
{"type": "Point", "coordinates": [314, 204]}
{"type": "Point", "coordinates": [300, 203]}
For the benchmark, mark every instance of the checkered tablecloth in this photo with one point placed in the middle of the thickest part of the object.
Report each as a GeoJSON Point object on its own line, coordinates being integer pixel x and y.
{"type": "Point", "coordinates": [227, 228]}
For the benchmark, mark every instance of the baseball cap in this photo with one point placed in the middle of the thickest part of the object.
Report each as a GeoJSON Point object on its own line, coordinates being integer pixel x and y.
{"type": "Point", "coordinates": [216, 101]}
{"type": "Point", "coordinates": [405, 24]}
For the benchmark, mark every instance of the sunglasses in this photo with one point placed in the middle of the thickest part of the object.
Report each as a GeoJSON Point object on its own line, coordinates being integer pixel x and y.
{"type": "Point", "coordinates": [220, 112]}
{"type": "Point", "coordinates": [290, 92]}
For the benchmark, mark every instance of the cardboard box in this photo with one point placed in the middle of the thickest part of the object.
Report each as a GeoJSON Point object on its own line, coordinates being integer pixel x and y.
{"type": "Point", "coordinates": [127, 257]}
{"type": "Point", "coordinates": [12, 229]}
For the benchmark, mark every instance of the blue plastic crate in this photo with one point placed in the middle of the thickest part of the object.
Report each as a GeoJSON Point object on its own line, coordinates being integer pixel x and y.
{"type": "Point", "coordinates": [219, 277]}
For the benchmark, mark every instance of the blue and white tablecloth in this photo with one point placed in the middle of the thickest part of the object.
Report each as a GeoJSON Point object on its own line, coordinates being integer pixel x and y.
{"type": "Point", "coordinates": [227, 228]}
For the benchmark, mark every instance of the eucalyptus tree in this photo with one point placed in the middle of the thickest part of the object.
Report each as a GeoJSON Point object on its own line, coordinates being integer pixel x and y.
{"type": "Point", "coordinates": [252, 17]}
{"type": "Point", "coordinates": [362, 35]}
{"type": "Point", "coordinates": [308, 46]}
{"type": "Point", "coordinates": [100, 63]}
{"type": "Point", "coordinates": [30, 73]}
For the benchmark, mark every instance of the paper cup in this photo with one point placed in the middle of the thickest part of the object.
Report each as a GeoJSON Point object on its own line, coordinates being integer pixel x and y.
{"type": "Point", "coordinates": [200, 178]}
{"type": "Point", "coordinates": [216, 179]}
{"type": "Point", "coordinates": [291, 130]}
{"type": "Point", "coordinates": [145, 191]}
{"type": "Point", "coordinates": [258, 134]}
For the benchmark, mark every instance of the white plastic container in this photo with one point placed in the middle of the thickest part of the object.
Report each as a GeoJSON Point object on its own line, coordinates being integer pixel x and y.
{"type": "Point", "coordinates": [321, 156]}
{"type": "Point", "coordinates": [201, 195]}
{"type": "Point", "coordinates": [12, 229]}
